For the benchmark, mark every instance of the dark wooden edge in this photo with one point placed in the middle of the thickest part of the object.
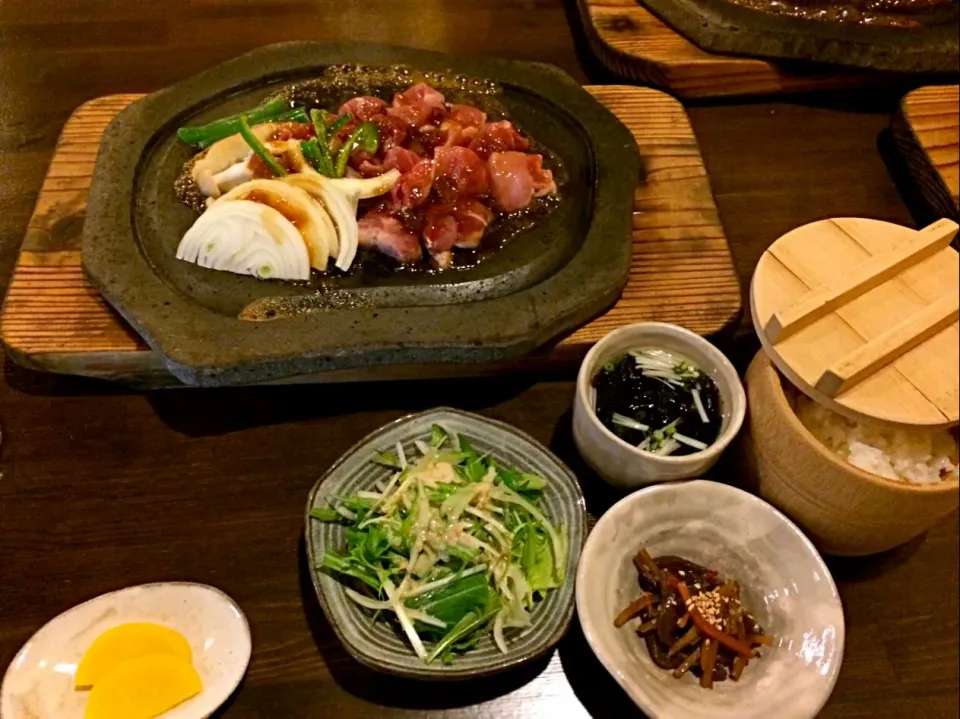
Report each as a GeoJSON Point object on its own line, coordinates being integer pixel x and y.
{"type": "Point", "coordinates": [632, 67]}
{"type": "Point", "coordinates": [925, 184]}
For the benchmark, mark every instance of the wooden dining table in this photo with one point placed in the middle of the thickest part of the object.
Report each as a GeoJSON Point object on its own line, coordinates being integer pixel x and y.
{"type": "Point", "coordinates": [104, 487]}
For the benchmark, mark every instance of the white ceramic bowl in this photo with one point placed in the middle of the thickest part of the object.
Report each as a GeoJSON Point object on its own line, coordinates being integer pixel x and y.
{"type": "Point", "coordinates": [40, 680]}
{"type": "Point", "coordinates": [785, 585]}
{"type": "Point", "coordinates": [621, 463]}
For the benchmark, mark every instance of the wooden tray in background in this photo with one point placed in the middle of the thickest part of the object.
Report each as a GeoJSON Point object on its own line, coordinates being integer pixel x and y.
{"type": "Point", "coordinates": [681, 271]}
{"type": "Point", "coordinates": [633, 43]}
{"type": "Point", "coordinates": [927, 133]}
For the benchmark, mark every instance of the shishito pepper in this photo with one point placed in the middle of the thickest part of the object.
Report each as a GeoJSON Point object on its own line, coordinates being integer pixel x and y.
{"type": "Point", "coordinates": [338, 125]}
{"type": "Point", "coordinates": [259, 149]}
{"type": "Point", "coordinates": [277, 110]}
{"type": "Point", "coordinates": [366, 138]}
{"type": "Point", "coordinates": [317, 150]}
{"type": "Point", "coordinates": [313, 154]}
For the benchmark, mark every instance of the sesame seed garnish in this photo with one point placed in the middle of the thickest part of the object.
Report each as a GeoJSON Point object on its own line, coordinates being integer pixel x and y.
{"type": "Point", "coordinates": [710, 605]}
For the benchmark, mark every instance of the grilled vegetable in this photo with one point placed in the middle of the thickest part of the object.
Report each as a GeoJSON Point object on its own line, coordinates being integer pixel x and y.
{"type": "Point", "coordinates": [277, 110]}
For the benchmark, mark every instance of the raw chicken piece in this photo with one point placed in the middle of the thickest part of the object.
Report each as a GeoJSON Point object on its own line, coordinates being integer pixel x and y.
{"type": "Point", "coordinates": [413, 187]}
{"type": "Point", "coordinates": [516, 178]}
{"type": "Point", "coordinates": [460, 173]}
{"type": "Point", "coordinates": [417, 105]}
{"type": "Point", "coordinates": [467, 116]}
{"type": "Point", "coordinates": [400, 158]}
{"type": "Point", "coordinates": [498, 137]}
{"type": "Point", "coordinates": [393, 131]}
{"type": "Point", "coordinates": [461, 224]}
{"type": "Point", "coordinates": [363, 108]}
{"type": "Point", "coordinates": [384, 233]}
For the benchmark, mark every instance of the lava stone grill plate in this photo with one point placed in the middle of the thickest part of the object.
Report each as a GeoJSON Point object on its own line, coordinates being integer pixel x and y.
{"type": "Point", "coordinates": [546, 280]}
{"type": "Point", "coordinates": [725, 27]}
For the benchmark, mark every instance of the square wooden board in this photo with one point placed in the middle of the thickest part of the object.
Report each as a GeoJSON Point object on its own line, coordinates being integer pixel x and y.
{"type": "Point", "coordinates": [632, 42]}
{"type": "Point", "coordinates": [927, 134]}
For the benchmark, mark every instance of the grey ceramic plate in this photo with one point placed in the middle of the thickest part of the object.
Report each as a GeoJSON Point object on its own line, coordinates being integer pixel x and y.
{"type": "Point", "coordinates": [376, 644]}
{"type": "Point", "coordinates": [511, 303]}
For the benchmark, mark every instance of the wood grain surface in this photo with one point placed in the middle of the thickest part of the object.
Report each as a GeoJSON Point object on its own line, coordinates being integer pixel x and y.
{"type": "Point", "coordinates": [843, 510]}
{"type": "Point", "coordinates": [900, 273]}
{"type": "Point", "coordinates": [632, 42]}
{"type": "Point", "coordinates": [103, 487]}
{"type": "Point", "coordinates": [927, 128]}
{"type": "Point", "coordinates": [681, 270]}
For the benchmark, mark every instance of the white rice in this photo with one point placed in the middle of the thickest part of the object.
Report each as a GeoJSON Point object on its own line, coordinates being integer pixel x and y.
{"type": "Point", "coordinates": [887, 450]}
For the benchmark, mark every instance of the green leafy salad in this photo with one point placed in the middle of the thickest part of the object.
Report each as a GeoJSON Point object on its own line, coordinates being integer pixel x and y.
{"type": "Point", "coordinates": [451, 545]}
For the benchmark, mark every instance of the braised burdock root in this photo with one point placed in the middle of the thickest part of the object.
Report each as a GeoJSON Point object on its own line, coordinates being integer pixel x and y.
{"type": "Point", "coordinates": [692, 621]}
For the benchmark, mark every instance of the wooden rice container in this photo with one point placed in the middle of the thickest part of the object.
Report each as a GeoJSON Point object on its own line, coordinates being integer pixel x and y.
{"type": "Point", "coordinates": [862, 317]}
{"type": "Point", "coordinates": [844, 510]}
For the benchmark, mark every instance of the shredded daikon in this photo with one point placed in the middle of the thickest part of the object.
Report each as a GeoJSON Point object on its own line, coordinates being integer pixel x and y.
{"type": "Point", "coordinates": [498, 632]}
{"type": "Point", "coordinates": [437, 584]}
{"type": "Point", "coordinates": [404, 619]}
{"type": "Point", "coordinates": [344, 512]}
{"type": "Point", "coordinates": [700, 408]}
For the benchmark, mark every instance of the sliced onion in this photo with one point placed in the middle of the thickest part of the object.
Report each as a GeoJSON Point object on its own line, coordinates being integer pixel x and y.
{"type": "Point", "coordinates": [498, 632]}
{"type": "Point", "coordinates": [290, 151]}
{"type": "Point", "coordinates": [345, 513]}
{"type": "Point", "coordinates": [425, 618]}
{"type": "Point", "coordinates": [405, 622]}
{"type": "Point", "coordinates": [385, 606]}
{"type": "Point", "coordinates": [340, 197]}
{"type": "Point", "coordinates": [342, 211]}
{"type": "Point", "coordinates": [368, 602]}
{"type": "Point", "coordinates": [430, 586]}
{"type": "Point", "coordinates": [249, 239]}
{"type": "Point", "coordinates": [489, 520]}
{"type": "Point", "coordinates": [508, 495]}
{"type": "Point", "coordinates": [223, 154]}
{"type": "Point", "coordinates": [234, 176]}
{"type": "Point", "coordinates": [308, 184]}
{"type": "Point", "coordinates": [313, 221]}
{"type": "Point", "coordinates": [363, 189]}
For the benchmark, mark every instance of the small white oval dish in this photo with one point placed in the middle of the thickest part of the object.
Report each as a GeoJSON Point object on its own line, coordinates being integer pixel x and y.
{"type": "Point", "coordinates": [39, 683]}
{"type": "Point", "coordinates": [786, 587]}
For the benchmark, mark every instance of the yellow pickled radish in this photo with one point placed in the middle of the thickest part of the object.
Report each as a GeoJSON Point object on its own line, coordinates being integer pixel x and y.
{"type": "Point", "coordinates": [143, 688]}
{"type": "Point", "coordinates": [125, 642]}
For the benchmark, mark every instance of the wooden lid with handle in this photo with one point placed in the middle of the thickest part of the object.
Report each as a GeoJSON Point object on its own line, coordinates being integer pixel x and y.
{"type": "Point", "coordinates": [862, 316]}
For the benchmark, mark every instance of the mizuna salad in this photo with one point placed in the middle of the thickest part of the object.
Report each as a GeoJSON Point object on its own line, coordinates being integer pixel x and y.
{"type": "Point", "coordinates": [450, 545]}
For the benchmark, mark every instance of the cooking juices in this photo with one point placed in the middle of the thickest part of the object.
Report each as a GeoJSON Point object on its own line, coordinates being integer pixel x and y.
{"type": "Point", "coordinates": [658, 401]}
